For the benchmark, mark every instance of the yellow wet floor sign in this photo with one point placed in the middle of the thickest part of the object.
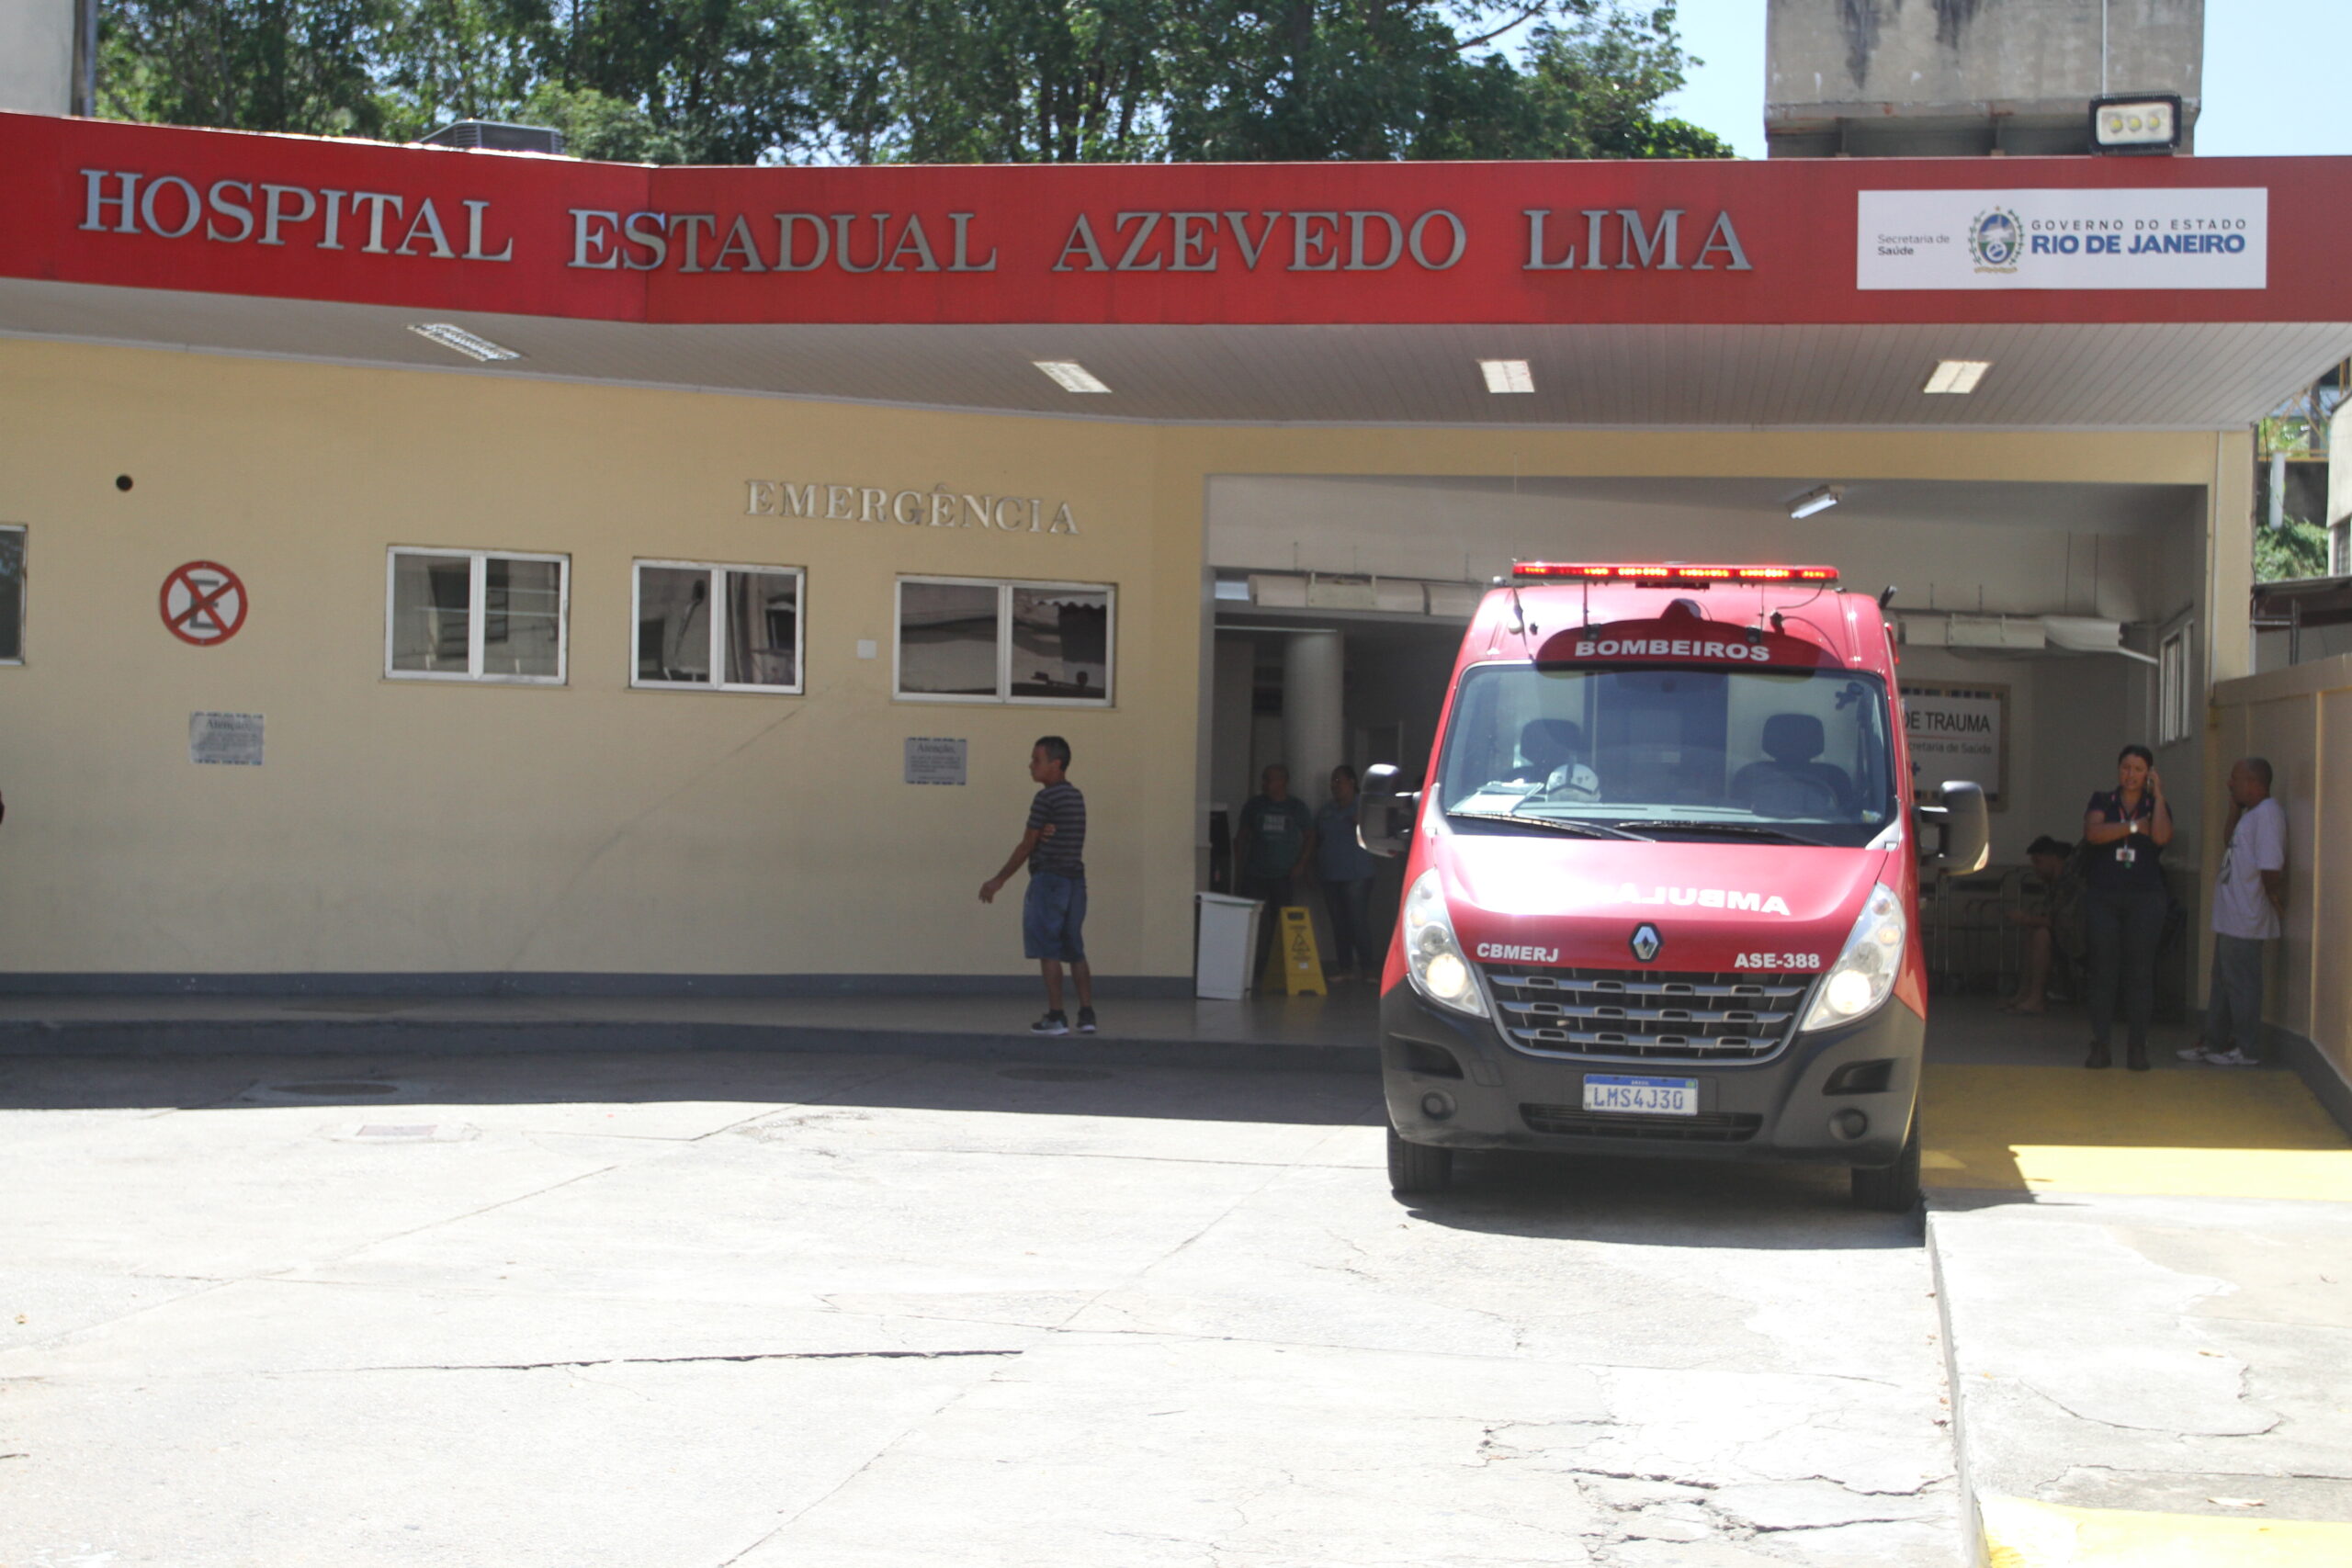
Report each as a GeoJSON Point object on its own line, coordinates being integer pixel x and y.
{"type": "Point", "coordinates": [1302, 965]}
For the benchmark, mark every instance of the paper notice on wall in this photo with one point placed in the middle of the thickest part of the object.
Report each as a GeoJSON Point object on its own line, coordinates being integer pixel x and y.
{"type": "Point", "coordinates": [231, 738]}
{"type": "Point", "coordinates": [2149, 237]}
{"type": "Point", "coordinates": [931, 759]}
{"type": "Point", "coordinates": [1957, 733]}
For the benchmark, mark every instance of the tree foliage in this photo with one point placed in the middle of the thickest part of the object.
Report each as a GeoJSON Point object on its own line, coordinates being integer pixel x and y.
{"type": "Point", "coordinates": [928, 81]}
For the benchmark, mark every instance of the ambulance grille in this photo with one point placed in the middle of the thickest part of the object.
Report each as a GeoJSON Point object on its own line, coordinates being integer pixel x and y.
{"type": "Point", "coordinates": [1645, 1015]}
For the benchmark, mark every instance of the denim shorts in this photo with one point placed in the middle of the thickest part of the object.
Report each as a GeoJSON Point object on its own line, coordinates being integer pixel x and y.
{"type": "Point", "coordinates": [1053, 915]}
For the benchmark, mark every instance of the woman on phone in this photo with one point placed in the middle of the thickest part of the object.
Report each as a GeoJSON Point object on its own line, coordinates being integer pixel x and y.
{"type": "Point", "coordinates": [2126, 829]}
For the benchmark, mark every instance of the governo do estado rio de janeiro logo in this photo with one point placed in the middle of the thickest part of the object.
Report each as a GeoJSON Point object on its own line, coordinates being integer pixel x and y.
{"type": "Point", "coordinates": [1995, 239]}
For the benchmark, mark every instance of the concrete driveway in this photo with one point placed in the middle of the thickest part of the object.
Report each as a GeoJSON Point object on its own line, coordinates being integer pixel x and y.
{"type": "Point", "coordinates": [833, 1310]}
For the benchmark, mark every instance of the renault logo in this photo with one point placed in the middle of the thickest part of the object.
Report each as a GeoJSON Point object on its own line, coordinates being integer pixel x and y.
{"type": "Point", "coordinates": [1645, 942]}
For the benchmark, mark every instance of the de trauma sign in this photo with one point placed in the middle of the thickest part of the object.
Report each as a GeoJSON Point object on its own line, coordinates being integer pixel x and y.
{"type": "Point", "coordinates": [1957, 733]}
{"type": "Point", "coordinates": [2210, 238]}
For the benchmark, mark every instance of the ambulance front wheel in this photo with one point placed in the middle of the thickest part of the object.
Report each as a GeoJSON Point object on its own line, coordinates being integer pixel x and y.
{"type": "Point", "coordinates": [1417, 1168]}
{"type": "Point", "coordinates": [1892, 1191]}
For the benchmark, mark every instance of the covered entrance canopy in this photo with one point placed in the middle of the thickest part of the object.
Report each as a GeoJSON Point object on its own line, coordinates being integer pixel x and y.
{"type": "Point", "coordinates": [2107, 294]}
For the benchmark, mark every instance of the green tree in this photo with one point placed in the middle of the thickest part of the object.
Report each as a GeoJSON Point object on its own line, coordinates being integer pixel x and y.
{"type": "Point", "coordinates": [927, 81]}
{"type": "Point", "coordinates": [447, 60]}
{"type": "Point", "coordinates": [288, 65]}
{"type": "Point", "coordinates": [1375, 79]}
{"type": "Point", "coordinates": [2296, 550]}
{"type": "Point", "coordinates": [716, 81]}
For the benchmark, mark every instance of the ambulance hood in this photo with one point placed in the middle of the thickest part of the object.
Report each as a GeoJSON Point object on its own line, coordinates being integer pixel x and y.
{"type": "Point", "coordinates": [1545, 898]}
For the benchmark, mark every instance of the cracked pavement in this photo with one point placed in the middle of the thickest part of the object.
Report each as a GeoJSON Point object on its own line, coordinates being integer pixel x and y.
{"type": "Point", "coordinates": [776, 1311]}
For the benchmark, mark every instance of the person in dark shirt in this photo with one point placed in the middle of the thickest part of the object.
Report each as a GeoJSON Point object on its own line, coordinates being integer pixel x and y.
{"type": "Point", "coordinates": [2051, 911]}
{"type": "Point", "coordinates": [1275, 837]}
{"type": "Point", "coordinates": [2125, 830]}
{"type": "Point", "coordinates": [1052, 914]}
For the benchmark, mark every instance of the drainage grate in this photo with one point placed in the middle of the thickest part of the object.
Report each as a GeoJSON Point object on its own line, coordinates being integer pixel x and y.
{"type": "Point", "coordinates": [1053, 1075]}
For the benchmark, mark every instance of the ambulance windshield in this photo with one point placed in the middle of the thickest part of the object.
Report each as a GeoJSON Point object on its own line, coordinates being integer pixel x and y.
{"type": "Point", "coordinates": [1671, 752]}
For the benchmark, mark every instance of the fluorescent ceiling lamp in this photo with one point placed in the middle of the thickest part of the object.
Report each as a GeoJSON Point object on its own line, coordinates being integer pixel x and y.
{"type": "Point", "coordinates": [1959, 376]}
{"type": "Point", "coordinates": [1814, 501]}
{"type": "Point", "coordinates": [1070, 376]}
{"type": "Point", "coordinates": [1507, 374]}
{"type": "Point", "coordinates": [471, 345]}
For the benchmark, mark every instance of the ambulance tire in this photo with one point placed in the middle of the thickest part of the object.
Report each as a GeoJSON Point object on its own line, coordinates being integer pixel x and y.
{"type": "Point", "coordinates": [1417, 1168]}
{"type": "Point", "coordinates": [1894, 1190]}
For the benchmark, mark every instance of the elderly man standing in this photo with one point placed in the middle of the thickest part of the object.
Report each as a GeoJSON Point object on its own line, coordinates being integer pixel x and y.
{"type": "Point", "coordinates": [2247, 897]}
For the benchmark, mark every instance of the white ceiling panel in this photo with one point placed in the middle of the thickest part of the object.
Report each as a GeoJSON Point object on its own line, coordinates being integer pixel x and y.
{"type": "Point", "coordinates": [2180, 376]}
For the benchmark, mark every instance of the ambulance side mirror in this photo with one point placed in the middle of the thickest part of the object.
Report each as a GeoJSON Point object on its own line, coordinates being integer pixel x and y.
{"type": "Point", "coordinates": [1385, 811]}
{"type": "Point", "coordinates": [1963, 827]}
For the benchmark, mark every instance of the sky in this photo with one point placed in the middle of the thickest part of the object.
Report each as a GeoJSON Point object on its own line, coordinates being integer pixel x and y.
{"type": "Point", "coordinates": [2274, 72]}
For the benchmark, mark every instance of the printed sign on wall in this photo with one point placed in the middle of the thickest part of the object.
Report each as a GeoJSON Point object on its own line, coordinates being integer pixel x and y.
{"type": "Point", "coordinates": [931, 759]}
{"type": "Point", "coordinates": [2063, 239]}
{"type": "Point", "coordinates": [1958, 732]}
{"type": "Point", "coordinates": [230, 737]}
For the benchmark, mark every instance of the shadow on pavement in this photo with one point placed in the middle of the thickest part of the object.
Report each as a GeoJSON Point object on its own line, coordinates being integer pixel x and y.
{"type": "Point", "coordinates": [1660, 1203]}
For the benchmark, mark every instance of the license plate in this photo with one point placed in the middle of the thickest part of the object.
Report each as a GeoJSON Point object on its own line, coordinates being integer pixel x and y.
{"type": "Point", "coordinates": [1649, 1097]}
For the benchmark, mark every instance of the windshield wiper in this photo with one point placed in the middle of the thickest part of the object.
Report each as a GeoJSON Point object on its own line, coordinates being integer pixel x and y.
{"type": "Point", "coordinates": [1557, 823]}
{"type": "Point", "coordinates": [1743, 830]}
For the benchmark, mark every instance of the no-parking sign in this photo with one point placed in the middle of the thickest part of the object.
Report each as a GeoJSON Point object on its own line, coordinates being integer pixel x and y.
{"type": "Point", "coordinates": [203, 602]}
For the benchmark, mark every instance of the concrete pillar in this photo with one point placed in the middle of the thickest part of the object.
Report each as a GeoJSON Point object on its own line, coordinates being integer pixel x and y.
{"type": "Point", "coordinates": [37, 56]}
{"type": "Point", "coordinates": [1314, 737]}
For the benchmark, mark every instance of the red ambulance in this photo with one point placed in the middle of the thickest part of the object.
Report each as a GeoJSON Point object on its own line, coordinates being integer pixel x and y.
{"type": "Point", "coordinates": [1661, 881]}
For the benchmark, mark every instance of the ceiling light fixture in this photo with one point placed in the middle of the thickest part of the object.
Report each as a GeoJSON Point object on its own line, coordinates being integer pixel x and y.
{"type": "Point", "coordinates": [1070, 376]}
{"type": "Point", "coordinates": [471, 345]}
{"type": "Point", "coordinates": [1814, 501]}
{"type": "Point", "coordinates": [1507, 374]}
{"type": "Point", "coordinates": [1957, 375]}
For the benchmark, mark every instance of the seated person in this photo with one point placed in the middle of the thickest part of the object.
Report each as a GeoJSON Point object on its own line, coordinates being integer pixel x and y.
{"type": "Point", "coordinates": [2051, 914]}
{"type": "Point", "coordinates": [1793, 784]}
{"type": "Point", "coordinates": [1549, 750]}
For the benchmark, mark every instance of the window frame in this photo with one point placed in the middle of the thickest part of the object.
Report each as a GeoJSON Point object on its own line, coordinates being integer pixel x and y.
{"type": "Point", "coordinates": [2176, 659]}
{"type": "Point", "coordinates": [799, 575]}
{"type": "Point", "coordinates": [477, 615]}
{"type": "Point", "coordinates": [1005, 587]}
{"type": "Point", "coordinates": [24, 590]}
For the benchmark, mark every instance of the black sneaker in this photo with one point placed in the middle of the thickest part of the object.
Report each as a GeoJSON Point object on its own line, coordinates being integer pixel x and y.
{"type": "Point", "coordinates": [1086, 1020]}
{"type": "Point", "coordinates": [1052, 1023]}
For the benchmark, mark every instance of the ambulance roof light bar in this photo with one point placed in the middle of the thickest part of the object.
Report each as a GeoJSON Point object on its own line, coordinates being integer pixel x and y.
{"type": "Point", "coordinates": [1675, 573]}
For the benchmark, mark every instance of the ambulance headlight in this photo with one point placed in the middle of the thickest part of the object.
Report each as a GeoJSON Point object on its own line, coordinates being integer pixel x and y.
{"type": "Point", "coordinates": [1433, 959]}
{"type": "Point", "coordinates": [1865, 972]}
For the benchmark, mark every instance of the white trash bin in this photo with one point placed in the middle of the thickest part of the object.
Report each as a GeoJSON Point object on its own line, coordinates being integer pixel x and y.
{"type": "Point", "coordinates": [1228, 942]}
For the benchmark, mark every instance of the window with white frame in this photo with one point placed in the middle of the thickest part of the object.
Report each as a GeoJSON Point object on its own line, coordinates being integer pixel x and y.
{"type": "Point", "coordinates": [476, 615]}
{"type": "Point", "coordinates": [12, 594]}
{"type": "Point", "coordinates": [701, 628]}
{"type": "Point", "coordinates": [2176, 712]}
{"type": "Point", "coordinates": [981, 640]}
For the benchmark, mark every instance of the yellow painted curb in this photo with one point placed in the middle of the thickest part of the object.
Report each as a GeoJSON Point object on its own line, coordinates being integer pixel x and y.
{"type": "Point", "coordinates": [2167, 1133]}
{"type": "Point", "coordinates": [2019, 1533]}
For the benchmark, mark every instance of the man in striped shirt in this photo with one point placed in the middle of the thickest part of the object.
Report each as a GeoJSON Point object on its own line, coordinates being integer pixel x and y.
{"type": "Point", "coordinates": [1053, 915]}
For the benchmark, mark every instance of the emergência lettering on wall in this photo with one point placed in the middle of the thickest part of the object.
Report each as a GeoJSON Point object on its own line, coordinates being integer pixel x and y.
{"type": "Point", "coordinates": [938, 507]}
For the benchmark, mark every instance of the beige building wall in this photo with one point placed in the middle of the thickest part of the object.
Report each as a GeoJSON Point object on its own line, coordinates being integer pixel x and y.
{"type": "Point", "coordinates": [2300, 718]}
{"type": "Point", "coordinates": [441, 828]}
{"type": "Point", "coordinates": [408, 827]}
